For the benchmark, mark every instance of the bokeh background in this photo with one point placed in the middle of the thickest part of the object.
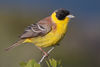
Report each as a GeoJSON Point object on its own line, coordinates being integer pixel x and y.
{"type": "Point", "coordinates": [79, 48]}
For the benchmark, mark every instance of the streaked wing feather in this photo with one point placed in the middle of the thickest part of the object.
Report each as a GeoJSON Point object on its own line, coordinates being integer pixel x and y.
{"type": "Point", "coordinates": [38, 29]}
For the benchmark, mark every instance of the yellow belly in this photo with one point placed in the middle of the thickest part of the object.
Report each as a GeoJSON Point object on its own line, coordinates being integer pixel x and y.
{"type": "Point", "coordinates": [45, 41]}
{"type": "Point", "coordinates": [48, 40]}
{"type": "Point", "coordinates": [52, 38]}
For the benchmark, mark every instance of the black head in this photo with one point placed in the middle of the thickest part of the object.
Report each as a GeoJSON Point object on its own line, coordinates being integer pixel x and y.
{"type": "Point", "coordinates": [61, 13]}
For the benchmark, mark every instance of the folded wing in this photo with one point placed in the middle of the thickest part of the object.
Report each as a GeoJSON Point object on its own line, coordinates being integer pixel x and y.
{"type": "Point", "coordinates": [38, 29]}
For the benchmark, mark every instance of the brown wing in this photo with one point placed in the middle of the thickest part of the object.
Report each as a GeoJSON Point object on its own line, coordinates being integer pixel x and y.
{"type": "Point", "coordinates": [38, 29]}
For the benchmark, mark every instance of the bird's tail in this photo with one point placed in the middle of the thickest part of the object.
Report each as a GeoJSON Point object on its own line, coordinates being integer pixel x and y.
{"type": "Point", "coordinates": [15, 44]}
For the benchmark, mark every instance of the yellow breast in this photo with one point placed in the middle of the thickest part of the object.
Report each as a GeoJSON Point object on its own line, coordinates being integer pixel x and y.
{"type": "Point", "coordinates": [50, 39]}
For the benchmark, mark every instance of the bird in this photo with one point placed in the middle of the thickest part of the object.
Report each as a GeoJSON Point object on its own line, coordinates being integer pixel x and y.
{"type": "Point", "coordinates": [46, 32]}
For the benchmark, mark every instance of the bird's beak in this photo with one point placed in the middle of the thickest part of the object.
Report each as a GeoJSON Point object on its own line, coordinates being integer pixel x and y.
{"type": "Point", "coordinates": [70, 16]}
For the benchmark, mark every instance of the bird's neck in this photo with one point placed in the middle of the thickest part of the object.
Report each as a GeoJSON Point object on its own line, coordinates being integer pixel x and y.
{"type": "Point", "coordinates": [60, 24]}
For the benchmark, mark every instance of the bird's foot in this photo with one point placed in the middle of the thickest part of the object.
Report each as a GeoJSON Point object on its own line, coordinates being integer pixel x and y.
{"type": "Point", "coordinates": [45, 54]}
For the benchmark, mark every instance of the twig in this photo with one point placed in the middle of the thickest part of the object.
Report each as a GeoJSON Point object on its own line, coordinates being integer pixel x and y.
{"type": "Point", "coordinates": [46, 55]}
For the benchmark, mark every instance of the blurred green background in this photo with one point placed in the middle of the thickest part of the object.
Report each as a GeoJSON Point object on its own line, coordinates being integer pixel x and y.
{"type": "Point", "coordinates": [79, 48]}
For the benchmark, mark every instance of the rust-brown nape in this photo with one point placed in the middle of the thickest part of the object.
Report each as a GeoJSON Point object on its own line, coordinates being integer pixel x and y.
{"type": "Point", "coordinates": [54, 27]}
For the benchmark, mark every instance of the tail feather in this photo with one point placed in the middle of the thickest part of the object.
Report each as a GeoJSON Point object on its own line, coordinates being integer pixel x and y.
{"type": "Point", "coordinates": [14, 45]}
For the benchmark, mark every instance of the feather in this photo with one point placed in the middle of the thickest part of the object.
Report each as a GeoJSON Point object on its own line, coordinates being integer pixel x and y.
{"type": "Point", "coordinates": [15, 44]}
{"type": "Point", "coordinates": [37, 29]}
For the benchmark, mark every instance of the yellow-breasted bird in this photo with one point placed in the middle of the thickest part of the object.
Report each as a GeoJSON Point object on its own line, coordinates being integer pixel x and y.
{"type": "Point", "coordinates": [47, 32]}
